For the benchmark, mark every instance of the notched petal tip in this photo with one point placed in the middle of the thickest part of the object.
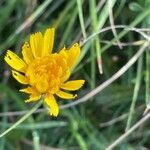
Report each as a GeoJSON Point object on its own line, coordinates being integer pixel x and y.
{"type": "Point", "coordinates": [50, 29]}
{"type": "Point", "coordinates": [53, 114]}
{"type": "Point", "coordinates": [48, 41]}
{"type": "Point", "coordinates": [32, 99]}
{"type": "Point", "coordinates": [25, 90]}
{"type": "Point", "coordinates": [52, 104]}
{"type": "Point", "coordinates": [65, 95]}
{"type": "Point", "coordinates": [19, 77]}
{"type": "Point", "coordinates": [14, 61]}
{"type": "Point", "coordinates": [27, 101]}
{"type": "Point", "coordinates": [33, 94]}
{"type": "Point", "coordinates": [76, 45]}
{"type": "Point", "coordinates": [27, 53]}
{"type": "Point", "coordinates": [73, 54]}
{"type": "Point", "coordinates": [73, 85]}
{"type": "Point", "coordinates": [36, 44]}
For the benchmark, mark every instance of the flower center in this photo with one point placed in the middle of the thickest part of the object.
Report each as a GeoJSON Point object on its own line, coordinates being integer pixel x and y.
{"type": "Point", "coordinates": [45, 73]}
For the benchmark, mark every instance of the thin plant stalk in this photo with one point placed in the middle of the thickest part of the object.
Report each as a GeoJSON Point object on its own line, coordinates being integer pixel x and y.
{"type": "Point", "coordinates": [94, 24]}
{"type": "Point", "coordinates": [80, 12]}
{"type": "Point", "coordinates": [35, 107]}
{"type": "Point", "coordinates": [147, 96]}
{"type": "Point", "coordinates": [136, 91]}
{"type": "Point", "coordinates": [126, 134]}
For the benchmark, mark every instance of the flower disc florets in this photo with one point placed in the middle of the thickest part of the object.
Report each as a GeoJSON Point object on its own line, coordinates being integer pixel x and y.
{"type": "Point", "coordinates": [46, 73]}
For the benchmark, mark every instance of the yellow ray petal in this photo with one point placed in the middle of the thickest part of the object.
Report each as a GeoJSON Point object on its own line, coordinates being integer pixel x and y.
{"type": "Point", "coordinates": [48, 41]}
{"type": "Point", "coordinates": [34, 94]}
{"type": "Point", "coordinates": [73, 54]}
{"type": "Point", "coordinates": [36, 43]}
{"type": "Point", "coordinates": [65, 95]}
{"type": "Point", "coordinates": [72, 85]}
{"type": "Point", "coordinates": [63, 53]}
{"type": "Point", "coordinates": [15, 62]}
{"type": "Point", "coordinates": [27, 53]}
{"type": "Point", "coordinates": [51, 102]}
{"type": "Point", "coordinates": [33, 98]}
{"type": "Point", "coordinates": [19, 77]}
{"type": "Point", "coordinates": [30, 90]}
{"type": "Point", "coordinates": [66, 76]}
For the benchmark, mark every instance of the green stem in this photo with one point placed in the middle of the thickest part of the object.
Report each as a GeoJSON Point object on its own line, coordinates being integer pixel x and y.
{"type": "Point", "coordinates": [35, 107]}
{"type": "Point", "coordinates": [136, 92]}
{"type": "Point", "coordinates": [147, 79]}
{"type": "Point", "coordinates": [94, 23]}
{"type": "Point", "coordinates": [81, 18]}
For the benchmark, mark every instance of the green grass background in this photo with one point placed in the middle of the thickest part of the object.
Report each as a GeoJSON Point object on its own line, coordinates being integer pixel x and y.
{"type": "Point", "coordinates": [96, 123]}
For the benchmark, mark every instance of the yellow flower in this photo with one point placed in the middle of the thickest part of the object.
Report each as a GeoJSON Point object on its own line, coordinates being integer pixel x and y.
{"type": "Point", "coordinates": [46, 74]}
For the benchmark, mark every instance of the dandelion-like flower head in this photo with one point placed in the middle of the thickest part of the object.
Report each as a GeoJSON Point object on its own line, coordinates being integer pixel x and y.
{"type": "Point", "coordinates": [45, 73]}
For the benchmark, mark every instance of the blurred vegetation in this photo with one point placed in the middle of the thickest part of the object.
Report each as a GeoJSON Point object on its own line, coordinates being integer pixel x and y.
{"type": "Point", "coordinates": [96, 123]}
